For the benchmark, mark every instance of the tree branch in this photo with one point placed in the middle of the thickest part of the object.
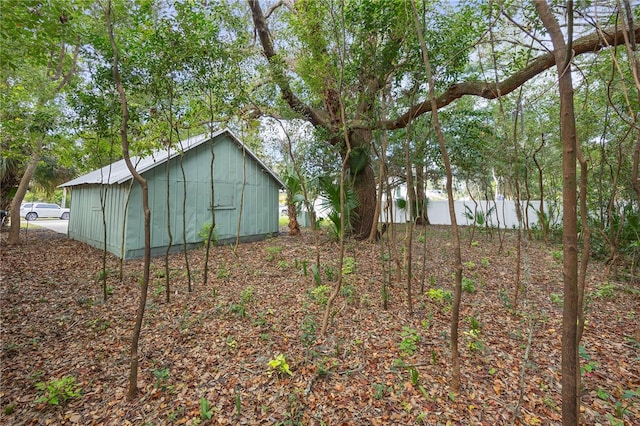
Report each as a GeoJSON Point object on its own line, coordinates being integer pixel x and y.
{"type": "Point", "coordinates": [590, 43]}
{"type": "Point", "coordinates": [288, 3]}
{"type": "Point", "coordinates": [316, 117]}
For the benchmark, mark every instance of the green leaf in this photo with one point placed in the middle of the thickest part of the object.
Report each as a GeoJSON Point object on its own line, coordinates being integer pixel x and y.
{"type": "Point", "coordinates": [602, 394]}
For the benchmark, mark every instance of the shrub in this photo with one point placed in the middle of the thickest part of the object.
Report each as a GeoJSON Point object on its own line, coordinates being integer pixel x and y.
{"type": "Point", "coordinates": [410, 339]}
{"type": "Point", "coordinates": [321, 294]}
{"type": "Point", "coordinates": [279, 364]}
{"type": "Point", "coordinates": [58, 391]}
{"type": "Point", "coordinates": [204, 231]}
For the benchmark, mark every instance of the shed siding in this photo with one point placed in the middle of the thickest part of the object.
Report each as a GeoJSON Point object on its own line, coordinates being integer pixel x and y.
{"type": "Point", "coordinates": [259, 214]}
{"type": "Point", "coordinates": [88, 226]}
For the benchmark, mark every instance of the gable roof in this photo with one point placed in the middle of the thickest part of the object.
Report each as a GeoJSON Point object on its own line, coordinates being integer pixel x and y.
{"type": "Point", "coordinates": [118, 172]}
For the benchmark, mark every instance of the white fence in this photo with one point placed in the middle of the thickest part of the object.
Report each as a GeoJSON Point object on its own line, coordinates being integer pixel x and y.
{"type": "Point", "coordinates": [502, 213]}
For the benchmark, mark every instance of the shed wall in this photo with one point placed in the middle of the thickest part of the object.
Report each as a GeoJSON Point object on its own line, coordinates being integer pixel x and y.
{"type": "Point", "coordinates": [86, 223]}
{"type": "Point", "coordinates": [260, 201]}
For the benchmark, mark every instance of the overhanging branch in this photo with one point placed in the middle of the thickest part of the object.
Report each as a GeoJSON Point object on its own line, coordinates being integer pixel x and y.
{"type": "Point", "coordinates": [260, 22]}
{"type": "Point", "coordinates": [590, 43]}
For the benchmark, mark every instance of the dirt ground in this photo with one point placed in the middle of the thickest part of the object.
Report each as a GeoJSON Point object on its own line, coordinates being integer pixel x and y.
{"type": "Point", "coordinates": [204, 355]}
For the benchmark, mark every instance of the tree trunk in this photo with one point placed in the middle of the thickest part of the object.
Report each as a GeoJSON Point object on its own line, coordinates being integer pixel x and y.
{"type": "Point", "coordinates": [422, 216]}
{"type": "Point", "coordinates": [457, 295]}
{"type": "Point", "coordinates": [364, 185]}
{"type": "Point", "coordinates": [294, 226]}
{"type": "Point", "coordinates": [411, 195]}
{"type": "Point", "coordinates": [135, 339]}
{"type": "Point", "coordinates": [568, 135]}
{"type": "Point", "coordinates": [542, 218]}
{"type": "Point", "coordinates": [632, 49]}
{"type": "Point", "coordinates": [14, 213]}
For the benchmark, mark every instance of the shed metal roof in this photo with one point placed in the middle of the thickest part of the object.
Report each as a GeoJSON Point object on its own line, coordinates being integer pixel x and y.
{"type": "Point", "coordinates": [118, 172]}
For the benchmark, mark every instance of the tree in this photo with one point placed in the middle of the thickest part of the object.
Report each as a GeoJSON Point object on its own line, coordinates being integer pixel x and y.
{"type": "Point", "coordinates": [45, 65]}
{"type": "Point", "coordinates": [372, 62]}
{"type": "Point", "coordinates": [455, 311]}
{"type": "Point", "coordinates": [563, 58]}
{"type": "Point", "coordinates": [378, 39]}
{"type": "Point", "coordinates": [124, 135]}
{"type": "Point", "coordinates": [295, 199]}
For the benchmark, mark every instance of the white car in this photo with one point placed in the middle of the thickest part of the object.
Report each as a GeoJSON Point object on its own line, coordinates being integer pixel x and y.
{"type": "Point", "coordinates": [33, 211]}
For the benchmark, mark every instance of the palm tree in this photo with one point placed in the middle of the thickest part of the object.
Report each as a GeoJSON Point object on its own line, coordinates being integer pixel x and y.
{"type": "Point", "coordinates": [330, 190]}
{"type": "Point", "coordinates": [294, 199]}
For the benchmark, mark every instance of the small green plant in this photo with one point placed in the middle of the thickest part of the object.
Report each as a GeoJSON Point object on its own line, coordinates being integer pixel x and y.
{"type": "Point", "coordinates": [426, 323]}
{"type": "Point", "coordinates": [588, 366]}
{"type": "Point", "coordinates": [321, 294]}
{"type": "Point", "coordinates": [470, 265]}
{"type": "Point", "coordinates": [613, 421]}
{"type": "Point", "coordinates": [415, 376]}
{"type": "Point", "coordinates": [557, 298]}
{"type": "Point", "coordinates": [174, 415]}
{"type": "Point", "coordinates": [557, 255]}
{"type": "Point", "coordinates": [247, 295]}
{"type": "Point", "coordinates": [330, 273]}
{"type": "Point", "coordinates": [485, 262]}
{"type": "Point", "coordinates": [304, 267]}
{"type": "Point", "coordinates": [398, 363]}
{"type": "Point", "coordinates": [205, 409]}
{"type": "Point", "coordinates": [468, 285]}
{"type": "Point", "coordinates": [223, 271]}
{"type": "Point", "coordinates": [380, 390]}
{"type": "Point", "coordinates": [261, 320]}
{"type": "Point", "coordinates": [282, 264]}
{"type": "Point", "coordinates": [58, 391]}
{"type": "Point", "coordinates": [439, 295]}
{"type": "Point", "coordinates": [161, 378]}
{"type": "Point", "coordinates": [605, 291]}
{"type": "Point", "coordinates": [308, 331]}
{"type": "Point", "coordinates": [99, 325]}
{"type": "Point", "coordinates": [279, 364]}
{"type": "Point", "coordinates": [9, 409]}
{"type": "Point", "coordinates": [102, 275]}
{"type": "Point", "coordinates": [348, 292]}
{"type": "Point", "coordinates": [410, 339]}
{"type": "Point", "coordinates": [603, 395]}
{"type": "Point", "coordinates": [502, 294]}
{"type": "Point", "coordinates": [622, 407]}
{"type": "Point", "coordinates": [238, 400]}
{"type": "Point", "coordinates": [325, 365]}
{"type": "Point", "coordinates": [474, 324]}
{"type": "Point", "coordinates": [37, 376]}
{"type": "Point", "coordinates": [348, 266]}
{"type": "Point", "coordinates": [204, 232]}
{"type": "Point", "coordinates": [317, 278]}
{"type": "Point", "coordinates": [240, 308]}
{"type": "Point", "coordinates": [273, 252]}
{"type": "Point", "coordinates": [231, 342]}
{"type": "Point", "coordinates": [475, 342]}
{"type": "Point", "coordinates": [158, 290]}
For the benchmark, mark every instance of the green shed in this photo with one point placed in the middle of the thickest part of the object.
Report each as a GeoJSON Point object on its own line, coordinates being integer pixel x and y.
{"type": "Point", "coordinates": [243, 195]}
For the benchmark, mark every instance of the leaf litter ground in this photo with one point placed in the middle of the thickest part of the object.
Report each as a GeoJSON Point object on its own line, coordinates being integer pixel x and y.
{"type": "Point", "coordinates": [215, 343]}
